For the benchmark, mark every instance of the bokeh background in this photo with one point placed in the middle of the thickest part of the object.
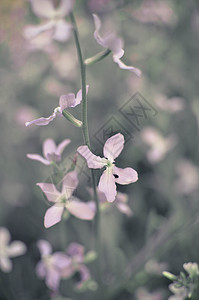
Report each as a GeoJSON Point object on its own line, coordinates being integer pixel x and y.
{"type": "Point", "coordinates": [161, 38]}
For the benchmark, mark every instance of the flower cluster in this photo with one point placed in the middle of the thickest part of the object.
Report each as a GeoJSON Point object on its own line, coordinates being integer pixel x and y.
{"type": "Point", "coordinates": [61, 265]}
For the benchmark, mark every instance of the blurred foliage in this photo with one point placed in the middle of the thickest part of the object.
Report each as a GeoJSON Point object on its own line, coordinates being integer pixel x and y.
{"type": "Point", "coordinates": [164, 225]}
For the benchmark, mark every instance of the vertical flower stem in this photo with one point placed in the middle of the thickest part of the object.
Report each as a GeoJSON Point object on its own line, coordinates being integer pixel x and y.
{"type": "Point", "coordinates": [85, 127]}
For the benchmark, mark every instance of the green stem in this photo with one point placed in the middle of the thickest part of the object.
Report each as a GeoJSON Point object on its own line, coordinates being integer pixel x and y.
{"type": "Point", "coordinates": [97, 57]}
{"type": "Point", "coordinates": [85, 124]}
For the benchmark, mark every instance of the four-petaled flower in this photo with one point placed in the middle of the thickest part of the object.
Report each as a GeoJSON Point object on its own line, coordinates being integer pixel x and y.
{"type": "Point", "coordinates": [113, 43]}
{"type": "Point", "coordinates": [112, 174]}
{"type": "Point", "coordinates": [64, 200]}
{"type": "Point", "coordinates": [51, 266]}
{"type": "Point", "coordinates": [7, 250]}
{"type": "Point", "coordinates": [65, 101]}
{"type": "Point", "coordinates": [51, 152]}
{"type": "Point", "coordinates": [56, 25]}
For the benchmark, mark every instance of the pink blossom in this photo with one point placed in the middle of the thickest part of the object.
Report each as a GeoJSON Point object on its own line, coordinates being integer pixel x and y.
{"type": "Point", "coordinates": [8, 250]}
{"type": "Point", "coordinates": [51, 266]}
{"type": "Point", "coordinates": [158, 145]}
{"type": "Point", "coordinates": [120, 202]}
{"type": "Point", "coordinates": [64, 200]}
{"type": "Point", "coordinates": [112, 174]}
{"type": "Point", "coordinates": [65, 101]}
{"type": "Point", "coordinates": [51, 152]}
{"type": "Point", "coordinates": [76, 253]}
{"type": "Point", "coordinates": [113, 43]}
{"type": "Point", "coordinates": [59, 28]}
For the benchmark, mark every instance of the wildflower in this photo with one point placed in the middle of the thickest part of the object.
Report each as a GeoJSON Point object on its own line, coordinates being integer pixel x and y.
{"type": "Point", "coordinates": [172, 105]}
{"type": "Point", "coordinates": [159, 146]}
{"type": "Point", "coordinates": [113, 43]}
{"type": "Point", "coordinates": [51, 152]}
{"type": "Point", "coordinates": [65, 101]}
{"type": "Point", "coordinates": [120, 202]}
{"type": "Point", "coordinates": [59, 28]}
{"type": "Point", "coordinates": [76, 253]}
{"type": "Point", "coordinates": [51, 265]}
{"type": "Point", "coordinates": [64, 200]}
{"type": "Point", "coordinates": [112, 174]}
{"type": "Point", "coordinates": [7, 250]}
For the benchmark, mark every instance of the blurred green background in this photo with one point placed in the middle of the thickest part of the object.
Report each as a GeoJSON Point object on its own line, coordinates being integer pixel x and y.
{"type": "Point", "coordinates": [161, 39]}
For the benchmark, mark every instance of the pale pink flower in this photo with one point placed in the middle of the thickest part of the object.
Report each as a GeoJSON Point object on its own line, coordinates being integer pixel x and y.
{"type": "Point", "coordinates": [187, 180]}
{"type": "Point", "coordinates": [76, 253]}
{"type": "Point", "coordinates": [112, 174]}
{"type": "Point", "coordinates": [120, 202]}
{"type": "Point", "coordinates": [65, 101]}
{"type": "Point", "coordinates": [171, 105]}
{"type": "Point", "coordinates": [158, 145]}
{"type": "Point", "coordinates": [113, 43]}
{"type": "Point", "coordinates": [64, 200]}
{"type": "Point", "coordinates": [59, 28]}
{"type": "Point", "coordinates": [51, 266]}
{"type": "Point", "coordinates": [51, 152]}
{"type": "Point", "coordinates": [143, 294]}
{"type": "Point", "coordinates": [8, 250]}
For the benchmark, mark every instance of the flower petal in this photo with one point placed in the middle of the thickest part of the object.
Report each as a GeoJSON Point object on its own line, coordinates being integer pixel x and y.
{"type": "Point", "coordinates": [61, 146]}
{"type": "Point", "coordinates": [49, 190]}
{"type": "Point", "coordinates": [53, 278]}
{"type": "Point", "coordinates": [93, 161]}
{"type": "Point", "coordinates": [16, 248]}
{"type": "Point", "coordinates": [38, 158]}
{"type": "Point", "coordinates": [65, 7]}
{"type": "Point", "coordinates": [124, 208]}
{"type": "Point", "coordinates": [42, 121]}
{"type": "Point", "coordinates": [40, 269]}
{"type": "Point", "coordinates": [49, 147]}
{"type": "Point", "coordinates": [84, 275]}
{"type": "Point", "coordinates": [107, 185]}
{"type": "Point", "coordinates": [61, 260]}
{"type": "Point", "coordinates": [117, 60]}
{"type": "Point", "coordinates": [70, 100]}
{"type": "Point", "coordinates": [110, 41]}
{"type": "Point", "coordinates": [69, 183]}
{"type": "Point", "coordinates": [32, 31]}
{"type": "Point", "coordinates": [79, 95]}
{"type": "Point", "coordinates": [53, 215]}
{"type": "Point", "coordinates": [62, 31]}
{"type": "Point", "coordinates": [114, 146]}
{"type": "Point", "coordinates": [4, 237]}
{"type": "Point", "coordinates": [66, 101]}
{"type": "Point", "coordinates": [5, 264]}
{"type": "Point", "coordinates": [76, 251]}
{"type": "Point", "coordinates": [44, 247]}
{"type": "Point", "coordinates": [80, 210]}
{"type": "Point", "coordinates": [97, 36]}
{"type": "Point", "coordinates": [43, 8]}
{"type": "Point", "coordinates": [126, 176]}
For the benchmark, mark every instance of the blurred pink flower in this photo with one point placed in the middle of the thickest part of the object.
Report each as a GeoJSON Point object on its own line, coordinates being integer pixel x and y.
{"type": "Point", "coordinates": [51, 265]}
{"type": "Point", "coordinates": [155, 12]}
{"type": "Point", "coordinates": [51, 152]}
{"type": "Point", "coordinates": [158, 145]}
{"type": "Point", "coordinates": [59, 28]}
{"type": "Point", "coordinates": [76, 253]}
{"type": "Point", "coordinates": [23, 114]}
{"type": "Point", "coordinates": [185, 185]}
{"type": "Point", "coordinates": [120, 202]}
{"type": "Point", "coordinates": [171, 105]}
{"type": "Point", "coordinates": [113, 43]}
{"type": "Point", "coordinates": [112, 174]}
{"type": "Point", "coordinates": [64, 200]}
{"type": "Point", "coordinates": [143, 294]}
{"type": "Point", "coordinates": [7, 250]}
{"type": "Point", "coordinates": [65, 101]}
{"type": "Point", "coordinates": [97, 5]}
